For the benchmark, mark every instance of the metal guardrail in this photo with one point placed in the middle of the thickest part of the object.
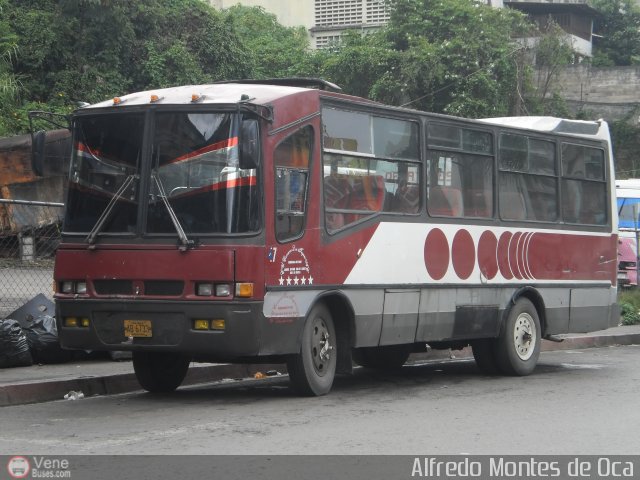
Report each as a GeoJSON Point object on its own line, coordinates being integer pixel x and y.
{"type": "Point", "coordinates": [31, 202]}
{"type": "Point", "coordinates": [27, 251]}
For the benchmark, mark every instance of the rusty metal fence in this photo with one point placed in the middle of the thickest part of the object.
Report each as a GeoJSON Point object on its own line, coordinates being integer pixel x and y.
{"type": "Point", "coordinates": [29, 236]}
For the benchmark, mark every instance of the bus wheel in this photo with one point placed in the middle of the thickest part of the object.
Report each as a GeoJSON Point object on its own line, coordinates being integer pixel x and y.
{"type": "Point", "coordinates": [160, 372]}
{"type": "Point", "coordinates": [484, 354]}
{"type": "Point", "coordinates": [313, 369]}
{"type": "Point", "coordinates": [518, 346]}
{"type": "Point", "coordinates": [387, 357]}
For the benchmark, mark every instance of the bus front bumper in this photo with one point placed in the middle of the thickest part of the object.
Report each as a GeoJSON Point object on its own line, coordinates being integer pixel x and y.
{"type": "Point", "coordinates": [170, 326]}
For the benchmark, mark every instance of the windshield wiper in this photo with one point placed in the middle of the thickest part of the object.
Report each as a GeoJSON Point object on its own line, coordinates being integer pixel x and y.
{"type": "Point", "coordinates": [184, 240]}
{"type": "Point", "coordinates": [91, 238]}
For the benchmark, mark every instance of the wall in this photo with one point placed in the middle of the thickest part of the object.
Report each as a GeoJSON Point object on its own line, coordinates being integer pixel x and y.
{"type": "Point", "coordinates": [610, 93]}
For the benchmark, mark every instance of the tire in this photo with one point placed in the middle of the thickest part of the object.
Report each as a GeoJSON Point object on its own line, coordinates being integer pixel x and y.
{"type": "Point", "coordinates": [518, 347]}
{"type": "Point", "coordinates": [160, 372]}
{"type": "Point", "coordinates": [382, 358]}
{"type": "Point", "coordinates": [313, 370]}
{"type": "Point", "coordinates": [484, 355]}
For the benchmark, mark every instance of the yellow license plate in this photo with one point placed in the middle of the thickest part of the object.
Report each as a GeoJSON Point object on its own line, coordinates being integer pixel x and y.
{"type": "Point", "coordinates": [137, 328]}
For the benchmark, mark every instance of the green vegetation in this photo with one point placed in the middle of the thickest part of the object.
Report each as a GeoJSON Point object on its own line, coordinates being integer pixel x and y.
{"type": "Point", "coordinates": [626, 141]}
{"type": "Point", "coordinates": [629, 301]}
{"type": "Point", "coordinates": [619, 28]}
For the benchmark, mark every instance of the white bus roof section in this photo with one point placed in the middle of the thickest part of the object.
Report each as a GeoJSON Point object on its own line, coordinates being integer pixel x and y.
{"type": "Point", "coordinates": [629, 183]}
{"type": "Point", "coordinates": [627, 193]}
{"type": "Point", "coordinates": [590, 129]}
{"type": "Point", "coordinates": [226, 93]}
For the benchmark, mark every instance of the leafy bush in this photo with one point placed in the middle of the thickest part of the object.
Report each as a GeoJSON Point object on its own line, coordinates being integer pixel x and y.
{"type": "Point", "coordinates": [629, 302]}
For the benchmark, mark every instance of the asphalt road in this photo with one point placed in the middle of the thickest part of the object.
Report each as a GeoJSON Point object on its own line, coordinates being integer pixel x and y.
{"type": "Point", "coordinates": [576, 402]}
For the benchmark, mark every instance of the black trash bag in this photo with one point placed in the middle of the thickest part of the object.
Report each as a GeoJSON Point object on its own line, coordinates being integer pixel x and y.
{"type": "Point", "coordinates": [14, 348]}
{"type": "Point", "coordinates": [42, 336]}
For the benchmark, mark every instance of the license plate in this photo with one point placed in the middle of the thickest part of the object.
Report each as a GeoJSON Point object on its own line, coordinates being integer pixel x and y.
{"type": "Point", "coordinates": [622, 276]}
{"type": "Point", "coordinates": [137, 328]}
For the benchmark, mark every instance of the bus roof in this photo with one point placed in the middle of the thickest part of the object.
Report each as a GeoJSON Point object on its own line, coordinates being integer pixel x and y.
{"type": "Point", "coordinates": [221, 93]}
{"type": "Point", "coordinates": [591, 129]}
{"type": "Point", "coordinates": [628, 184]}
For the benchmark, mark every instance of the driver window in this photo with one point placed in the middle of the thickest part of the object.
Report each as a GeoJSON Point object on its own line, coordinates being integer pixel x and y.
{"type": "Point", "coordinates": [291, 160]}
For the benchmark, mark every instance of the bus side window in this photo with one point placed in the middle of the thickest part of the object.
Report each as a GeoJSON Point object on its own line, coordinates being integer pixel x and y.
{"type": "Point", "coordinates": [291, 160]}
{"type": "Point", "coordinates": [584, 187]}
{"type": "Point", "coordinates": [337, 191]}
{"type": "Point", "coordinates": [445, 201]}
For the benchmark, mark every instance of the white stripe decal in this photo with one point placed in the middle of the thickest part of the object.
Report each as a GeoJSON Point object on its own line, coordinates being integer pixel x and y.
{"type": "Point", "coordinates": [395, 255]}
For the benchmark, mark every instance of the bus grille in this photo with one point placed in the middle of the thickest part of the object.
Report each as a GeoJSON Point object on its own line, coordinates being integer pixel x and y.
{"type": "Point", "coordinates": [113, 287]}
{"type": "Point", "coordinates": [163, 287]}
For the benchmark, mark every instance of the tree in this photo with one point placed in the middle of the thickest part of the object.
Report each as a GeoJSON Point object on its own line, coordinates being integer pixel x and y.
{"type": "Point", "coordinates": [271, 49]}
{"type": "Point", "coordinates": [9, 83]}
{"type": "Point", "coordinates": [619, 26]}
{"type": "Point", "coordinates": [551, 54]}
{"type": "Point", "coordinates": [89, 50]}
{"type": "Point", "coordinates": [453, 57]}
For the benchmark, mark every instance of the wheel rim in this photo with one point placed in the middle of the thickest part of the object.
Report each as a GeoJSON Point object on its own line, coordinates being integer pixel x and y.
{"type": "Point", "coordinates": [524, 336]}
{"type": "Point", "coordinates": [321, 348]}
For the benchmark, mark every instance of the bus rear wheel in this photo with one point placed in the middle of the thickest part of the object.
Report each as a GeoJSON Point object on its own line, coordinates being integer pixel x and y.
{"type": "Point", "coordinates": [387, 357]}
{"type": "Point", "coordinates": [518, 346]}
{"type": "Point", "coordinates": [312, 371]}
{"type": "Point", "coordinates": [160, 372]}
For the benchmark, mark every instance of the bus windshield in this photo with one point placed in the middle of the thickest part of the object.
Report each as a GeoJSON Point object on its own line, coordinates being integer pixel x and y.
{"type": "Point", "coordinates": [190, 173]}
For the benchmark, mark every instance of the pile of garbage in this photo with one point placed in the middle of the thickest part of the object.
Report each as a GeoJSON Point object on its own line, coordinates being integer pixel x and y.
{"type": "Point", "coordinates": [30, 335]}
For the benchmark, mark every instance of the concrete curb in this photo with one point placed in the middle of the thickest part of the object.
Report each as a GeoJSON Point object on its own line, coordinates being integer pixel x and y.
{"type": "Point", "coordinates": [36, 392]}
{"type": "Point", "coordinates": [44, 391]}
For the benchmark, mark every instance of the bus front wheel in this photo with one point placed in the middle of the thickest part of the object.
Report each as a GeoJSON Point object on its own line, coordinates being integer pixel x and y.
{"type": "Point", "coordinates": [518, 346]}
{"type": "Point", "coordinates": [312, 371]}
{"type": "Point", "coordinates": [160, 372]}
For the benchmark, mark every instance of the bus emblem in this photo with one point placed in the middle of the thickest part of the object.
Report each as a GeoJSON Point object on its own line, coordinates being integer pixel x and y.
{"type": "Point", "coordinates": [294, 268]}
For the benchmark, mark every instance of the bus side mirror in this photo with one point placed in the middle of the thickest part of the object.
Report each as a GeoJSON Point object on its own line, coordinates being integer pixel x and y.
{"type": "Point", "coordinates": [50, 152]}
{"type": "Point", "coordinates": [38, 140]}
{"type": "Point", "coordinates": [249, 144]}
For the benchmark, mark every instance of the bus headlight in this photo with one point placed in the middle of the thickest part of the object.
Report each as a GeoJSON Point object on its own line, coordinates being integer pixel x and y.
{"type": "Point", "coordinates": [204, 289]}
{"type": "Point", "coordinates": [223, 290]}
{"type": "Point", "coordinates": [81, 287]}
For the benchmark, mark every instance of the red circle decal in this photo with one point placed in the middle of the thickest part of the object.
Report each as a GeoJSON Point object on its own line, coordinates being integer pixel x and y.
{"type": "Point", "coordinates": [436, 254]}
{"type": "Point", "coordinates": [513, 255]}
{"type": "Point", "coordinates": [503, 255]}
{"type": "Point", "coordinates": [487, 258]}
{"type": "Point", "coordinates": [463, 254]}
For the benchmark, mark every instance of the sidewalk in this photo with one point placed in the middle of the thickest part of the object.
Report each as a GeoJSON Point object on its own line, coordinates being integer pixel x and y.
{"type": "Point", "coordinates": [42, 383]}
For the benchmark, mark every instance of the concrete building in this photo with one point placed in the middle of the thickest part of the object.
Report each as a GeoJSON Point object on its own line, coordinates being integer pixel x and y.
{"type": "Point", "coordinates": [575, 17]}
{"type": "Point", "coordinates": [290, 13]}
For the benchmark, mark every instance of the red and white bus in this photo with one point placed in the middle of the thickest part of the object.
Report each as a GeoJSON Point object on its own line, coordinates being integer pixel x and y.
{"type": "Point", "coordinates": [283, 221]}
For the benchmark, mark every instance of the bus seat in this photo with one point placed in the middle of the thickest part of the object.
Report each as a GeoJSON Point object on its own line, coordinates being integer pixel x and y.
{"type": "Point", "coordinates": [478, 203]}
{"type": "Point", "coordinates": [337, 190]}
{"type": "Point", "coordinates": [512, 206]}
{"type": "Point", "coordinates": [446, 201]}
{"type": "Point", "coordinates": [368, 193]}
{"type": "Point", "coordinates": [407, 199]}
